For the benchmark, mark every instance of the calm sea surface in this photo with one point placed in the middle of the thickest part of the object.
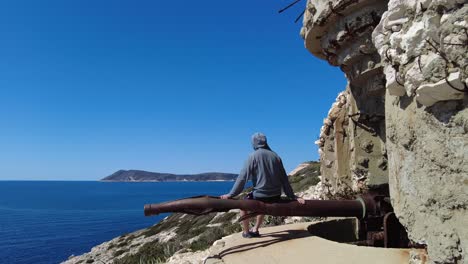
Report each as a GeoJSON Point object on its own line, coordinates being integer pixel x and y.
{"type": "Point", "coordinates": [47, 221]}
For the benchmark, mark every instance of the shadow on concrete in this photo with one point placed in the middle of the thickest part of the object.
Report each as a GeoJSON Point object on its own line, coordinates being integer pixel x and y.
{"type": "Point", "coordinates": [342, 230]}
{"type": "Point", "coordinates": [444, 110]}
{"type": "Point", "coordinates": [275, 237]}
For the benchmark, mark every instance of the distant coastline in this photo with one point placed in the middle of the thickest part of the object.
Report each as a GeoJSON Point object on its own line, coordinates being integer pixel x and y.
{"type": "Point", "coordinates": [147, 176]}
{"type": "Point", "coordinates": [165, 180]}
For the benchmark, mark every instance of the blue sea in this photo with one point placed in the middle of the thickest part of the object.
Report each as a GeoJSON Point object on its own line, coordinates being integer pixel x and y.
{"type": "Point", "coordinates": [47, 221]}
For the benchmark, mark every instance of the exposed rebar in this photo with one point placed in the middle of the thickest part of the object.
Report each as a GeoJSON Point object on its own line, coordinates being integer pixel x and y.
{"type": "Point", "coordinates": [299, 17]}
{"type": "Point", "coordinates": [288, 6]}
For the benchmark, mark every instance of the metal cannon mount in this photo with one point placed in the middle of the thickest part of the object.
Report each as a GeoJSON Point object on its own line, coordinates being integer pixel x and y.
{"type": "Point", "coordinates": [377, 226]}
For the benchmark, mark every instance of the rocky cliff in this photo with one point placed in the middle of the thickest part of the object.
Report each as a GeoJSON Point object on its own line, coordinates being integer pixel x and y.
{"type": "Point", "coordinates": [402, 119]}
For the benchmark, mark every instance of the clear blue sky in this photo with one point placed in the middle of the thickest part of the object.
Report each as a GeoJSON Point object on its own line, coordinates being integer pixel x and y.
{"type": "Point", "coordinates": [90, 87]}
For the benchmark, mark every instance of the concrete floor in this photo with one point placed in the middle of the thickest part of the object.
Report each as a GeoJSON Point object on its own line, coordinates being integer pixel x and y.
{"type": "Point", "coordinates": [294, 244]}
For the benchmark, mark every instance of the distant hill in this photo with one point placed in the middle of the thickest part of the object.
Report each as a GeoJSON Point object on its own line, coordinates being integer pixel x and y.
{"type": "Point", "coordinates": [146, 176]}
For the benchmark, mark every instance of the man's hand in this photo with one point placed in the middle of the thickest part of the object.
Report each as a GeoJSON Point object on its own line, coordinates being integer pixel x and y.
{"type": "Point", "coordinates": [225, 196]}
{"type": "Point", "coordinates": [301, 200]}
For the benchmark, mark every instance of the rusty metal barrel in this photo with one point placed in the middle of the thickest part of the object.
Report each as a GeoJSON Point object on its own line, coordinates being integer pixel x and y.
{"type": "Point", "coordinates": [200, 205]}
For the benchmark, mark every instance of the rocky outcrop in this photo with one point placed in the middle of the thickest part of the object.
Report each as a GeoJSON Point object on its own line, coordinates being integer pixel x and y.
{"type": "Point", "coordinates": [403, 117]}
{"type": "Point", "coordinates": [352, 139]}
{"type": "Point", "coordinates": [423, 45]}
{"type": "Point", "coordinates": [298, 168]}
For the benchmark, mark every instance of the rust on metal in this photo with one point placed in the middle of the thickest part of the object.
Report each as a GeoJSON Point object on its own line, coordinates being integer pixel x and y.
{"type": "Point", "coordinates": [201, 205]}
{"type": "Point", "coordinates": [378, 225]}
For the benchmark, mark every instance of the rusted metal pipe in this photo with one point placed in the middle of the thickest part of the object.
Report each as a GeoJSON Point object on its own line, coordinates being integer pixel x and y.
{"type": "Point", "coordinates": [373, 209]}
{"type": "Point", "coordinates": [200, 205]}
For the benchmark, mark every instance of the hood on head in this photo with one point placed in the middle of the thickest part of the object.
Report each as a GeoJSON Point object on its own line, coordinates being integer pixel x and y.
{"type": "Point", "coordinates": [259, 140]}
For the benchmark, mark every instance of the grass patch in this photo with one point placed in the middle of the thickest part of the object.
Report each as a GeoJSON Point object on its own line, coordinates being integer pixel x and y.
{"type": "Point", "coordinates": [170, 222]}
{"type": "Point", "coordinates": [207, 238]}
{"type": "Point", "coordinates": [224, 218]}
{"type": "Point", "coordinates": [190, 225]}
{"type": "Point", "coordinates": [212, 234]}
{"type": "Point", "coordinates": [152, 253]}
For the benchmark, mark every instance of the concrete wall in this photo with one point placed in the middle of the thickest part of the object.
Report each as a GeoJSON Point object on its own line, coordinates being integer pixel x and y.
{"type": "Point", "coordinates": [352, 139]}
{"type": "Point", "coordinates": [423, 45]}
{"type": "Point", "coordinates": [403, 117]}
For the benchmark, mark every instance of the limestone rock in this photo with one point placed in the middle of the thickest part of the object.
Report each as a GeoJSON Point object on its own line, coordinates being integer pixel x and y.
{"type": "Point", "coordinates": [450, 89]}
{"type": "Point", "coordinates": [393, 87]}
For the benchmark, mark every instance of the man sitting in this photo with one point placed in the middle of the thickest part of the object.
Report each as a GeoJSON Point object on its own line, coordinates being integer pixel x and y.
{"type": "Point", "coordinates": [265, 169]}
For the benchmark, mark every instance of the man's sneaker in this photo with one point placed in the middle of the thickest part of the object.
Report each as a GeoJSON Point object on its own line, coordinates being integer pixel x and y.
{"type": "Point", "coordinates": [254, 234]}
{"type": "Point", "coordinates": [247, 235]}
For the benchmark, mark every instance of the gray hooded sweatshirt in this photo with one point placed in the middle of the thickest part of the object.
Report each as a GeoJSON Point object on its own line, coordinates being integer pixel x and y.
{"type": "Point", "coordinates": [265, 168]}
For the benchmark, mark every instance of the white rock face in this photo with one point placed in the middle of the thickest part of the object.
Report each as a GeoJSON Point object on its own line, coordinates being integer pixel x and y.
{"type": "Point", "coordinates": [298, 168]}
{"type": "Point", "coordinates": [421, 43]}
{"type": "Point", "coordinates": [393, 87]}
{"type": "Point", "coordinates": [444, 90]}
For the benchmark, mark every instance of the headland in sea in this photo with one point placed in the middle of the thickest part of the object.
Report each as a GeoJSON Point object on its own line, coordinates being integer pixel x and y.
{"type": "Point", "coordinates": [147, 176]}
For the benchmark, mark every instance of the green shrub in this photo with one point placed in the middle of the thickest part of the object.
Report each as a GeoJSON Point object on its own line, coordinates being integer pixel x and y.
{"type": "Point", "coordinates": [306, 177]}
{"type": "Point", "coordinates": [231, 228]}
{"type": "Point", "coordinates": [151, 253]}
{"type": "Point", "coordinates": [119, 252]}
{"type": "Point", "coordinates": [122, 244]}
{"type": "Point", "coordinates": [224, 218]}
{"type": "Point", "coordinates": [208, 238]}
{"type": "Point", "coordinates": [168, 223]}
